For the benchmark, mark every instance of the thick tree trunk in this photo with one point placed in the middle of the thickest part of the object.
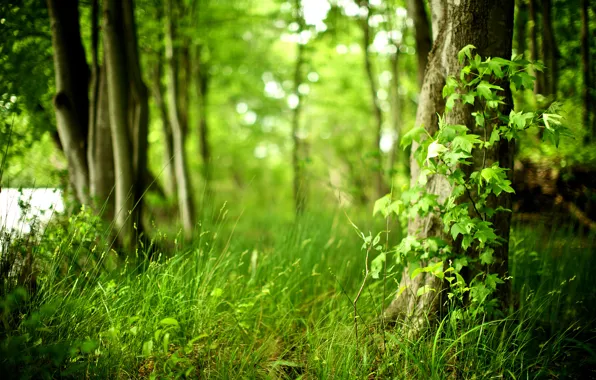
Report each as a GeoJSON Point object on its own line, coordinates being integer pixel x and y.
{"type": "Point", "coordinates": [534, 48]}
{"type": "Point", "coordinates": [488, 25]}
{"type": "Point", "coordinates": [138, 113]}
{"type": "Point", "coordinates": [422, 28]}
{"type": "Point", "coordinates": [551, 52]}
{"type": "Point", "coordinates": [185, 202]}
{"type": "Point", "coordinates": [71, 101]}
{"type": "Point", "coordinates": [118, 100]}
{"type": "Point", "coordinates": [381, 188]}
{"type": "Point", "coordinates": [585, 48]}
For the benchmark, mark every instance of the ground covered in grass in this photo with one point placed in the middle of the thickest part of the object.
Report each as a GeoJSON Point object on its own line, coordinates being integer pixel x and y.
{"type": "Point", "coordinates": [273, 299]}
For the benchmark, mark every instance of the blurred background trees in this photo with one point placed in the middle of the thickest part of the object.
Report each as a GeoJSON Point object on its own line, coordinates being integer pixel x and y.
{"type": "Point", "coordinates": [175, 107]}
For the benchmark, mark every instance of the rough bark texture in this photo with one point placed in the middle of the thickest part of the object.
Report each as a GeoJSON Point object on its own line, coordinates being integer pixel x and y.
{"type": "Point", "coordinates": [376, 107]}
{"type": "Point", "coordinates": [118, 99]}
{"type": "Point", "coordinates": [551, 52]}
{"type": "Point", "coordinates": [71, 102]}
{"type": "Point", "coordinates": [422, 28]}
{"type": "Point", "coordinates": [489, 26]}
{"type": "Point", "coordinates": [185, 202]}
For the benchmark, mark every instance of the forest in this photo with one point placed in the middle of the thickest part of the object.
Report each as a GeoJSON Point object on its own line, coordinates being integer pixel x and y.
{"type": "Point", "coordinates": [297, 189]}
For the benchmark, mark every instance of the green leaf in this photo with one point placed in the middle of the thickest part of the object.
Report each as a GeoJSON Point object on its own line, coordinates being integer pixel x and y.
{"type": "Point", "coordinates": [169, 322]}
{"type": "Point", "coordinates": [377, 265]}
{"type": "Point", "coordinates": [466, 51]}
{"type": "Point", "coordinates": [425, 289]}
{"type": "Point", "coordinates": [486, 257]}
{"type": "Point", "coordinates": [434, 149]}
{"type": "Point", "coordinates": [465, 143]}
{"type": "Point", "coordinates": [457, 229]}
{"type": "Point", "coordinates": [413, 135]}
{"type": "Point", "coordinates": [381, 205]}
{"type": "Point", "coordinates": [148, 347]}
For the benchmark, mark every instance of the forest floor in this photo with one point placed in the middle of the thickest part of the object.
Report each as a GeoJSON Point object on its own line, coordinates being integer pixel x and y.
{"type": "Point", "coordinates": [260, 298]}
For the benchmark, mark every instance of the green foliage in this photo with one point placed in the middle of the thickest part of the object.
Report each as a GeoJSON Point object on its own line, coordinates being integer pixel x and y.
{"type": "Point", "coordinates": [466, 212]}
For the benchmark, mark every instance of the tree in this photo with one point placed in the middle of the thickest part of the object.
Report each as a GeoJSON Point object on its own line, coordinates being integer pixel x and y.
{"type": "Point", "coordinates": [185, 201]}
{"type": "Point", "coordinates": [534, 48]}
{"type": "Point", "coordinates": [422, 29]}
{"type": "Point", "coordinates": [71, 101]}
{"type": "Point", "coordinates": [102, 126]}
{"type": "Point", "coordinates": [372, 83]}
{"type": "Point", "coordinates": [492, 35]}
{"type": "Point", "coordinates": [550, 49]}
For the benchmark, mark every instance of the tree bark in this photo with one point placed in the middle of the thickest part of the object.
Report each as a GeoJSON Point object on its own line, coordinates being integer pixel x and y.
{"type": "Point", "coordinates": [488, 25]}
{"type": "Point", "coordinates": [377, 112]}
{"type": "Point", "coordinates": [118, 100]}
{"type": "Point", "coordinates": [422, 29]}
{"type": "Point", "coordinates": [71, 102]}
{"type": "Point", "coordinates": [138, 113]}
{"type": "Point", "coordinates": [298, 159]}
{"type": "Point", "coordinates": [185, 202]}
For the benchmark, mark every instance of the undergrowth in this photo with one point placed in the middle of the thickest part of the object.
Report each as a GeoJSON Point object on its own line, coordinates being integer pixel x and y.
{"type": "Point", "coordinates": [239, 304]}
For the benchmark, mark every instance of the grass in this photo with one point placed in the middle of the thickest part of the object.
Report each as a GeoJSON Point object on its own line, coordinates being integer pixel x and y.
{"type": "Point", "coordinates": [274, 300]}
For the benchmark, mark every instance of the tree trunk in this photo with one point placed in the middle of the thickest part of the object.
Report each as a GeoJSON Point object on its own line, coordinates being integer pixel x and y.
{"type": "Point", "coordinates": [138, 113]}
{"type": "Point", "coordinates": [378, 113]}
{"type": "Point", "coordinates": [184, 79]}
{"type": "Point", "coordinates": [118, 100]}
{"type": "Point", "coordinates": [551, 52]}
{"type": "Point", "coordinates": [534, 53]}
{"type": "Point", "coordinates": [521, 23]}
{"type": "Point", "coordinates": [168, 174]}
{"type": "Point", "coordinates": [422, 29]}
{"type": "Point", "coordinates": [202, 86]}
{"type": "Point", "coordinates": [585, 48]}
{"type": "Point", "coordinates": [71, 102]}
{"type": "Point", "coordinates": [101, 155]}
{"type": "Point", "coordinates": [185, 202]}
{"type": "Point", "coordinates": [488, 25]}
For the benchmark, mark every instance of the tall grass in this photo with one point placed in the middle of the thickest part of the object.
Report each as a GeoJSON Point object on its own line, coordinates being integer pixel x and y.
{"type": "Point", "coordinates": [274, 300]}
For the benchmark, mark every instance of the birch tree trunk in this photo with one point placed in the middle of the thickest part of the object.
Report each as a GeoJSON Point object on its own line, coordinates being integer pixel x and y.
{"type": "Point", "coordinates": [488, 25]}
{"type": "Point", "coordinates": [185, 202]}
{"type": "Point", "coordinates": [71, 101]}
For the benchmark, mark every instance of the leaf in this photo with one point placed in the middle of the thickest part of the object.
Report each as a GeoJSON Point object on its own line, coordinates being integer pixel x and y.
{"type": "Point", "coordinates": [457, 229]}
{"type": "Point", "coordinates": [469, 98]}
{"type": "Point", "coordinates": [413, 135]}
{"type": "Point", "coordinates": [465, 143]}
{"type": "Point", "coordinates": [148, 347]}
{"type": "Point", "coordinates": [169, 322]}
{"type": "Point", "coordinates": [434, 149]}
{"type": "Point", "coordinates": [381, 205]}
{"type": "Point", "coordinates": [466, 51]}
{"type": "Point", "coordinates": [486, 257]}
{"type": "Point", "coordinates": [217, 292]}
{"type": "Point", "coordinates": [425, 289]}
{"type": "Point", "coordinates": [377, 265]}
